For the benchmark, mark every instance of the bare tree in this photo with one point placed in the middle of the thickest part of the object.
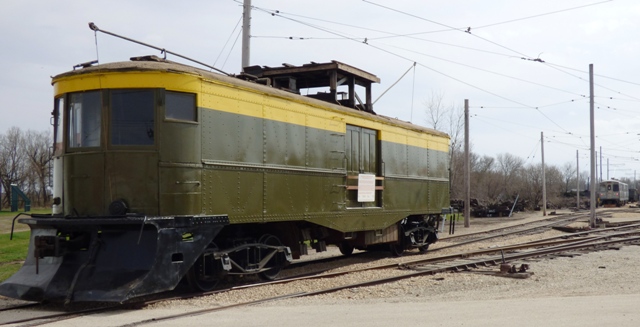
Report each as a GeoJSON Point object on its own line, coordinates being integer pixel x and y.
{"type": "Point", "coordinates": [484, 181]}
{"type": "Point", "coordinates": [509, 167]}
{"type": "Point", "coordinates": [13, 167]}
{"type": "Point", "coordinates": [25, 161]}
{"type": "Point", "coordinates": [38, 151]}
{"type": "Point", "coordinates": [448, 119]}
{"type": "Point", "coordinates": [532, 186]}
{"type": "Point", "coordinates": [556, 186]}
{"type": "Point", "coordinates": [568, 176]}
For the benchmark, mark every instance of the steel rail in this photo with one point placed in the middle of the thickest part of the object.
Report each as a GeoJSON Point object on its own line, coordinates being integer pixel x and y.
{"type": "Point", "coordinates": [428, 271]}
{"type": "Point", "coordinates": [19, 306]}
{"type": "Point", "coordinates": [555, 244]}
{"type": "Point", "coordinates": [61, 316]}
{"type": "Point", "coordinates": [554, 220]}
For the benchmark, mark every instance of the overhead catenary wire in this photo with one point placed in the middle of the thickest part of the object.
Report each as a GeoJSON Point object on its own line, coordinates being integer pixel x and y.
{"type": "Point", "coordinates": [231, 49]}
{"type": "Point", "coordinates": [403, 57]}
{"type": "Point", "coordinates": [369, 42]}
{"type": "Point", "coordinates": [467, 30]}
{"type": "Point", "coordinates": [452, 28]}
{"type": "Point", "coordinates": [488, 71]}
{"type": "Point", "coordinates": [541, 15]}
{"type": "Point", "coordinates": [227, 42]}
{"type": "Point", "coordinates": [396, 82]}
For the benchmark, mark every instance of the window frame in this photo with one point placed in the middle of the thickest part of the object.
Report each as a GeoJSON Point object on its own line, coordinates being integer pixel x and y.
{"type": "Point", "coordinates": [67, 125]}
{"type": "Point", "coordinates": [110, 113]}
{"type": "Point", "coordinates": [177, 120]}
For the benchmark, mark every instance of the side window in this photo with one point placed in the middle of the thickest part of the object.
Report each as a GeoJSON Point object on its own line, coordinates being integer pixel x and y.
{"type": "Point", "coordinates": [58, 129]}
{"type": "Point", "coordinates": [132, 117]}
{"type": "Point", "coordinates": [84, 120]}
{"type": "Point", "coordinates": [361, 150]}
{"type": "Point", "coordinates": [180, 106]}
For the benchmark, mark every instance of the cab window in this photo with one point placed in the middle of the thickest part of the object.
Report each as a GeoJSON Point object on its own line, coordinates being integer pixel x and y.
{"type": "Point", "coordinates": [84, 120]}
{"type": "Point", "coordinates": [180, 106]}
{"type": "Point", "coordinates": [132, 117]}
{"type": "Point", "coordinates": [58, 130]}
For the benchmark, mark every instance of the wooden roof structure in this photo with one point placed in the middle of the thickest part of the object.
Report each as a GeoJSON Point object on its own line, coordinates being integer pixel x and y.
{"type": "Point", "coordinates": [316, 75]}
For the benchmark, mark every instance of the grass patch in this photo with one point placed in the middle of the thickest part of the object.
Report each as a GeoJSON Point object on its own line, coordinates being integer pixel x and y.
{"type": "Point", "coordinates": [8, 269]}
{"type": "Point", "coordinates": [6, 218]}
{"type": "Point", "coordinates": [8, 213]}
{"type": "Point", "coordinates": [12, 253]}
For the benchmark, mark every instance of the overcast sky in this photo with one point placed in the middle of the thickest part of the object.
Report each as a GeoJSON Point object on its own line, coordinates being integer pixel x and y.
{"type": "Point", "coordinates": [523, 65]}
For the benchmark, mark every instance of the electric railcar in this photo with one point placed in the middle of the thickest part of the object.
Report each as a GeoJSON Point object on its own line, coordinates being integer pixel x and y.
{"type": "Point", "coordinates": [164, 171]}
{"type": "Point", "coordinates": [613, 193]}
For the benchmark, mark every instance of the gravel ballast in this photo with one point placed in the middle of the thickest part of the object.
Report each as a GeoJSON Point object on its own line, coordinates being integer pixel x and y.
{"type": "Point", "coordinates": [597, 288]}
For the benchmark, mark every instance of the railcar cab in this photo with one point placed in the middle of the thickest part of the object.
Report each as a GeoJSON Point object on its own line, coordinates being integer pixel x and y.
{"type": "Point", "coordinates": [123, 224]}
{"type": "Point", "coordinates": [108, 145]}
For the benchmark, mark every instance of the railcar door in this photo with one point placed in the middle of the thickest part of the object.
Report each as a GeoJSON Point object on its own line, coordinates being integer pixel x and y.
{"type": "Point", "coordinates": [83, 170]}
{"type": "Point", "coordinates": [131, 162]}
{"type": "Point", "coordinates": [362, 152]}
{"type": "Point", "coordinates": [180, 154]}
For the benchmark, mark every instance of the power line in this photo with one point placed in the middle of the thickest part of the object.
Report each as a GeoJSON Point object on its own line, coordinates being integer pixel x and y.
{"type": "Point", "coordinates": [281, 14]}
{"type": "Point", "coordinates": [420, 64]}
{"type": "Point", "coordinates": [541, 15]}
{"type": "Point", "coordinates": [227, 42]}
{"type": "Point", "coordinates": [485, 70]}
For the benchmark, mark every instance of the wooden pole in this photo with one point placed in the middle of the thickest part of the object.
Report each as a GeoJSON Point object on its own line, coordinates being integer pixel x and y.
{"type": "Point", "coordinates": [592, 186]}
{"type": "Point", "coordinates": [577, 181]}
{"type": "Point", "coordinates": [467, 167]}
{"type": "Point", "coordinates": [544, 179]}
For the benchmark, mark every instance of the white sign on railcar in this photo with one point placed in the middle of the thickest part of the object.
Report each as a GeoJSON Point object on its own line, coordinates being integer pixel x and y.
{"type": "Point", "coordinates": [366, 188]}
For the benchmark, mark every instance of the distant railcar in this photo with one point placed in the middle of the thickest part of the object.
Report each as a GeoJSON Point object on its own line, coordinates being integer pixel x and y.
{"type": "Point", "coordinates": [633, 195]}
{"type": "Point", "coordinates": [613, 193]}
{"type": "Point", "coordinates": [163, 171]}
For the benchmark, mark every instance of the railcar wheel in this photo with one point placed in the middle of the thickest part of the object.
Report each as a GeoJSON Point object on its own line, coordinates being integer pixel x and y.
{"type": "Point", "coordinates": [346, 248]}
{"type": "Point", "coordinates": [397, 249]}
{"type": "Point", "coordinates": [275, 264]}
{"type": "Point", "coordinates": [205, 273]}
{"type": "Point", "coordinates": [423, 248]}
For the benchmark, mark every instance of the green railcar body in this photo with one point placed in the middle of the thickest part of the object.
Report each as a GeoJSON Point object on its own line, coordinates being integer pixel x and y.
{"type": "Point", "coordinates": [253, 152]}
{"type": "Point", "coordinates": [209, 166]}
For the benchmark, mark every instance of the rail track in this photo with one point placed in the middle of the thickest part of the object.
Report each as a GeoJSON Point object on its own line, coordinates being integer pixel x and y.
{"type": "Point", "coordinates": [458, 262]}
{"type": "Point", "coordinates": [409, 267]}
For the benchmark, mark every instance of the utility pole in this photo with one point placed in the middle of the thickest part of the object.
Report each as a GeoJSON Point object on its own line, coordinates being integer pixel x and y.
{"type": "Point", "coordinates": [577, 181]}
{"type": "Point", "coordinates": [467, 167]}
{"type": "Point", "coordinates": [592, 186]}
{"type": "Point", "coordinates": [246, 33]}
{"type": "Point", "coordinates": [544, 180]}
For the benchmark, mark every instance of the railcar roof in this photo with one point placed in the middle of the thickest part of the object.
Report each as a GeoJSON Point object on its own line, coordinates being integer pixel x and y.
{"type": "Point", "coordinates": [153, 63]}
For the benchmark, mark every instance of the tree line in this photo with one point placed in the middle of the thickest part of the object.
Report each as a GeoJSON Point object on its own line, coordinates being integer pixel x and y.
{"type": "Point", "coordinates": [505, 177]}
